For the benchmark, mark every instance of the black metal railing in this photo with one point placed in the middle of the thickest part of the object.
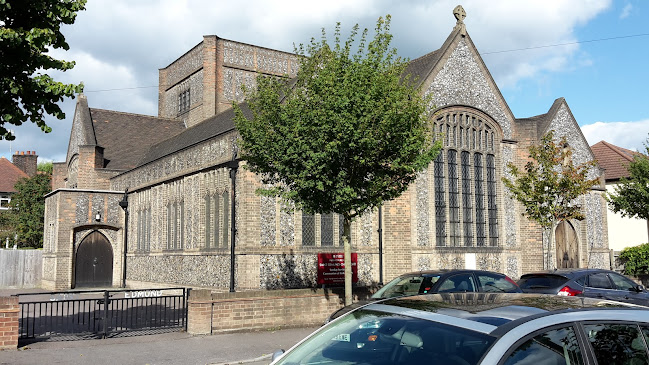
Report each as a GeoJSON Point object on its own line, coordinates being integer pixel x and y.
{"type": "Point", "coordinates": [101, 313]}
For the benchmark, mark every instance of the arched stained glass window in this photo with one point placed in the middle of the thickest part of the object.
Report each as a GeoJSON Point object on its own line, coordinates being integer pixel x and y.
{"type": "Point", "coordinates": [327, 229]}
{"type": "Point", "coordinates": [453, 200]}
{"type": "Point", "coordinates": [479, 199]}
{"type": "Point", "coordinates": [225, 227]}
{"type": "Point", "coordinates": [467, 199]}
{"type": "Point", "coordinates": [216, 220]}
{"type": "Point", "coordinates": [440, 201]}
{"type": "Point", "coordinates": [208, 218]}
{"type": "Point", "coordinates": [491, 200]}
{"type": "Point", "coordinates": [308, 229]}
{"type": "Point", "coordinates": [466, 186]}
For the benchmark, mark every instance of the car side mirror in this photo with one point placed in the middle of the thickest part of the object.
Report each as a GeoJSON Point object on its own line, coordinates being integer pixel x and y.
{"type": "Point", "coordinates": [639, 288]}
{"type": "Point", "coordinates": [277, 354]}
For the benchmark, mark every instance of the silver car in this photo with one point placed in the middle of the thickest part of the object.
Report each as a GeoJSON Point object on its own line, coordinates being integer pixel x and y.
{"type": "Point", "coordinates": [480, 328]}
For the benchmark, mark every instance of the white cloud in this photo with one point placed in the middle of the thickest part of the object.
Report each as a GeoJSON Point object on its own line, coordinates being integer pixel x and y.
{"type": "Point", "coordinates": [121, 44]}
{"type": "Point", "coordinates": [629, 135]}
{"type": "Point", "coordinates": [626, 11]}
{"type": "Point", "coordinates": [110, 86]}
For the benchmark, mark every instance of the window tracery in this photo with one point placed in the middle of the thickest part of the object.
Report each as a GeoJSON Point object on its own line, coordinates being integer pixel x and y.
{"type": "Point", "coordinates": [466, 197]}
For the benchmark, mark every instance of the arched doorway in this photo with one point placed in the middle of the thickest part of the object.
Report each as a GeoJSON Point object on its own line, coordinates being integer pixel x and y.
{"type": "Point", "coordinates": [567, 246]}
{"type": "Point", "coordinates": [94, 262]}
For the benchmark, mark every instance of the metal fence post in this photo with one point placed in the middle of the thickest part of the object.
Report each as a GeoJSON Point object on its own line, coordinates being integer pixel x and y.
{"type": "Point", "coordinates": [105, 318]}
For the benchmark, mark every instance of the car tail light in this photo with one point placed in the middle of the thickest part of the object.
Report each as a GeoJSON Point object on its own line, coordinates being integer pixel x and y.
{"type": "Point", "coordinates": [511, 281]}
{"type": "Point", "coordinates": [567, 291]}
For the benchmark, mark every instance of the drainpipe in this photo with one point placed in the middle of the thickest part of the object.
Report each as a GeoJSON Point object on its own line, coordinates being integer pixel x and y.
{"type": "Point", "coordinates": [124, 205]}
{"type": "Point", "coordinates": [380, 231]}
{"type": "Point", "coordinates": [234, 166]}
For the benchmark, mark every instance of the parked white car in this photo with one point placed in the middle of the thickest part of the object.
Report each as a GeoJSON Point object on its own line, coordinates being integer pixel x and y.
{"type": "Point", "coordinates": [480, 328]}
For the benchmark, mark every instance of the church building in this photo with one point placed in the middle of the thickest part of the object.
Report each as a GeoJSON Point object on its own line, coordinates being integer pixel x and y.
{"type": "Point", "coordinates": [146, 201]}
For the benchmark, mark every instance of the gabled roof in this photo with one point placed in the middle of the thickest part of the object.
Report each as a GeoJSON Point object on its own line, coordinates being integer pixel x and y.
{"type": "Point", "coordinates": [209, 128]}
{"type": "Point", "coordinates": [613, 159]}
{"type": "Point", "coordinates": [420, 67]}
{"type": "Point", "coordinates": [126, 137]}
{"type": "Point", "coordinates": [10, 174]}
{"type": "Point", "coordinates": [435, 69]}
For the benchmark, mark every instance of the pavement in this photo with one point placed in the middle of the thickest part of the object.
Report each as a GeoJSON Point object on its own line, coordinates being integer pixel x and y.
{"type": "Point", "coordinates": [156, 349]}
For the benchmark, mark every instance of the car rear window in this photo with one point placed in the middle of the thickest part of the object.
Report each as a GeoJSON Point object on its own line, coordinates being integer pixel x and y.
{"type": "Point", "coordinates": [541, 281]}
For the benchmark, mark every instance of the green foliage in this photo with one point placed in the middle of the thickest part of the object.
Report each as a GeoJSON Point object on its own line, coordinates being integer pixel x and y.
{"type": "Point", "coordinates": [28, 31]}
{"type": "Point", "coordinates": [348, 133]}
{"type": "Point", "coordinates": [635, 259]}
{"type": "Point", "coordinates": [46, 167]}
{"type": "Point", "coordinates": [6, 228]}
{"type": "Point", "coordinates": [631, 196]}
{"type": "Point", "coordinates": [27, 210]}
{"type": "Point", "coordinates": [551, 183]}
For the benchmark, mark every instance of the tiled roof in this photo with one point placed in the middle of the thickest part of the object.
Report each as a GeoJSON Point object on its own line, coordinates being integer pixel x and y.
{"type": "Point", "coordinates": [209, 128]}
{"type": "Point", "coordinates": [420, 67]}
{"type": "Point", "coordinates": [613, 159]}
{"type": "Point", "coordinates": [126, 137]}
{"type": "Point", "coordinates": [10, 174]}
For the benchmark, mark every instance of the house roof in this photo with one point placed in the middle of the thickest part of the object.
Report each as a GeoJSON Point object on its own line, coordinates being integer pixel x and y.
{"type": "Point", "coordinates": [126, 137]}
{"type": "Point", "coordinates": [10, 175]}
{"type": "Point", "coordinates": [613, 159]}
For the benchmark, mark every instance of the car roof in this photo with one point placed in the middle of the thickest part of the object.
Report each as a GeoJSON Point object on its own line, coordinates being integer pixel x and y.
{"type": "Point", "coordinates": [566, 272]}
{"type": "Point", "coordinates": [492, 313]}
{"type": "Point", "coordinates": [448, 271]}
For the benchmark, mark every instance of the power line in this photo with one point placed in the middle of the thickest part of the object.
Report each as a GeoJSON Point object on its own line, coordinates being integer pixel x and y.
{"type": "Point", "coordinates": [482, 54]}
{"type": "Point", "coordinates": [569, 43]}
{"type": "Point", "coordinates": [120, 89]}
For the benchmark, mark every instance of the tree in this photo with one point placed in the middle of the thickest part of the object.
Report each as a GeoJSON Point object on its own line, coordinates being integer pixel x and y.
{"type": "Point", "coordinates": [550, 185]}
{"type": "Point", "coordinates": [631, 196]}
{"type": "Point", "coordinates": [45, 167]}
{"type": "Point", "coordinates": [347, 134]}
{"type": "Point", "coordinates": [27, 209]}
{"type": "Point", "coordinates": [635, 260]}
{"type": "Point", "coordinates": [28, 31]}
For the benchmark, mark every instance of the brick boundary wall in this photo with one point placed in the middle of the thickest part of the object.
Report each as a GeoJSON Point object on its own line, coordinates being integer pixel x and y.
{"type": "Point", "coordinates": [9, 314]}
{"type": "Point", "coordinates": [210, 313]}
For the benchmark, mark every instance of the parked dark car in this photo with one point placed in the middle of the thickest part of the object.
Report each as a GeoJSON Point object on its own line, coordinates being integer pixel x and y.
{"type": "Point", "coordinates": [480, 329]}
{"type": "Point", "coordinates": [439, 281]}
{"type": "Point", "coordinates": [593, 283]}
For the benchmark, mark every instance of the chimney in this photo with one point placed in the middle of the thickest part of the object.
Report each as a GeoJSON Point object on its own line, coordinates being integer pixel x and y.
{"type": "Point", "coordinates": [26, 161]}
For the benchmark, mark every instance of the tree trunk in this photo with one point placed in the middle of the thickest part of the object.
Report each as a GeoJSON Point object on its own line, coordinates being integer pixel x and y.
{"type": "Point", "coordinates": [348, 260]}
{"type": "Point", "coordinates": [549, 260]}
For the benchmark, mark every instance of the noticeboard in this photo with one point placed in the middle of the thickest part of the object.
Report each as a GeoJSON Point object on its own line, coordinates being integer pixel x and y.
{"type": "Point", "coordinates": [331, 268]}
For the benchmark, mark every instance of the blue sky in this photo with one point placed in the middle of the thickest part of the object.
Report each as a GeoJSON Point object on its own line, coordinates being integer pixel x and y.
{"type": "Point", "coordinates": [119, 46]}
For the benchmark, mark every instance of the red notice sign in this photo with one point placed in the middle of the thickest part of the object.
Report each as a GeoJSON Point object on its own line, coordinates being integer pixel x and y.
{"type": "Point", "coordinates": [331, 268]}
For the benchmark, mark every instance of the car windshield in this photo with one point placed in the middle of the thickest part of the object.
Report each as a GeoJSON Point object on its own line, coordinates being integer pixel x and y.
{"type": "Point", "coordinates": [541, 281]}
{"type": "Point", "coordinates": [406, 285]}
{"type": "Point", "coordinates": [377, 338]}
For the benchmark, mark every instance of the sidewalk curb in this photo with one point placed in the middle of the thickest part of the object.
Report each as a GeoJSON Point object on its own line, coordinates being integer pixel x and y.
{"type": "Point", "coordinates": [260, 358]}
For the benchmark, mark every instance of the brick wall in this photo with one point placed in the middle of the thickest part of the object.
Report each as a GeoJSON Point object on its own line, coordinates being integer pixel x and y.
{"type": "Point", "coordinates": [256, 310]}
{"type": "Point", "coordinates": [59, 174]}
{"type": "Point", "coordinates": [9, 311]}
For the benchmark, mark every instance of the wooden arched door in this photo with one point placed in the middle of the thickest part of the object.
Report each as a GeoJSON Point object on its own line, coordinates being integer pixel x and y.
{"type": "Point", "coordinates": [567, 246]}
{"type": "Point", "coordinates": [94, 262]}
